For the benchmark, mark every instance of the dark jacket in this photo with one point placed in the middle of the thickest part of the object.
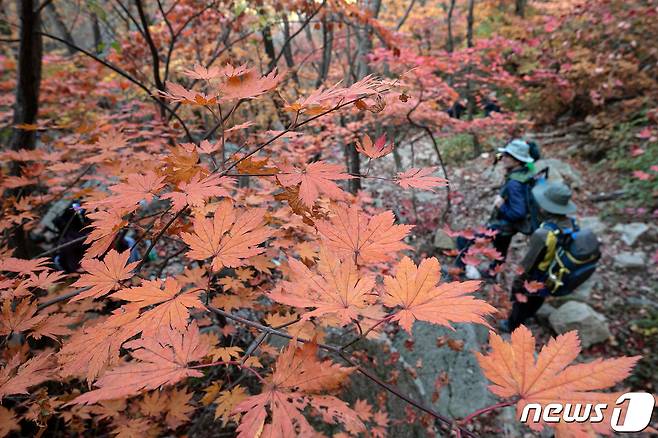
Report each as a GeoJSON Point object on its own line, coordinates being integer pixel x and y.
{"type": "Point", "coordinates": [515, 207]}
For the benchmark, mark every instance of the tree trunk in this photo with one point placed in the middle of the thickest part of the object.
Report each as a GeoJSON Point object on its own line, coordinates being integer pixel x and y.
{"type": "Point", "coordinates": [29, 75]}
{"type": "Point", "coordinates": [469, 23]}
{"type": "Point", "coordinates": [26, 107]}
{"type": "Point", "coordinates": [269, 46]}
{"type": "Point", "coordinates": [519, 8]}
{"type": "Point", "coordinates": [450, 43]}
{"type": "Point", "coordinates": [63, 31]}
{"type": "Point", "coordinates": [327, 47]}
{"type": "Point", "coordinates": [98, 37]}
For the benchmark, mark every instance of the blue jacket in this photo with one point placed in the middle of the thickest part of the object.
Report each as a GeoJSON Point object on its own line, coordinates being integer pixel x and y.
{"type": "Point", "coordinates": [515, 195]}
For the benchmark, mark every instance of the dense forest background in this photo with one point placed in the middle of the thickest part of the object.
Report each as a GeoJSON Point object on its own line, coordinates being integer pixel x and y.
{"type": "Point", "coordinates": [270, 192]}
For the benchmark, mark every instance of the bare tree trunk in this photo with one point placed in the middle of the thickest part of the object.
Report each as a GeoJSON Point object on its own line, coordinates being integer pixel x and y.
{"type": "Point", "coordinates": [54, 16]}
{"type": "Point", "coordinates": [269, 46]}
{"type": "Point", "coordinates": [98, 37]}
{"type": "Point", "coordinates": [364, 47]}
{"type": "Point", "coordinates": [450, 44]}
{"type": "Point", "coordinates": [287, 50]}
{"type": "Point", "coordinates": [469, 23]}
{"type": "Point", "coordinates": [477, 148]}
{"type": "Point", "coordinates": [155, 56]}
{"type": "Point", "coordinates": [29, 75]}
{"type": "Point", "coordinates": [26, 107]}
{"type": "Point", "coordinates": [327, 48]}
{"type": "Point", "coordinates": [519, 8]}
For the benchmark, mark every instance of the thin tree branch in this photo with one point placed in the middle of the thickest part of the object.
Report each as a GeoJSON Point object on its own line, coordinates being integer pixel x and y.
{"type": "Point", "coordinates": [128, 77]}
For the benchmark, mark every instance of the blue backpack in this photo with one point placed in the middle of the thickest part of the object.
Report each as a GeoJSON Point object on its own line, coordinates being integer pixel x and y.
{"type": "Point", "coordinates": [572, 256]}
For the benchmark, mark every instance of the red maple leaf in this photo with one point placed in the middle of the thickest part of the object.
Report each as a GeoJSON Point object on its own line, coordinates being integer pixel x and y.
{"type": "Point", "coordinates": [363, 238]}
{"type": "Point", "coordinates": [337, 290]}
{"type": "Point", "coordinates": [415, 289]}
{"type": "Point", "coordinates": [297, 380]}
{"type": "Point", "coordinates": [420, 179]}
{"type": "Point", "coordinates": [159, 360]}
{"type": "Point", "coordinates": [105, 275]}
{"type": "Point", "coordinates": [315, 178]}
{"type": "Point", "coordinates": [376, 150]}
{"type": "Point", "coordinates": [229, 238]}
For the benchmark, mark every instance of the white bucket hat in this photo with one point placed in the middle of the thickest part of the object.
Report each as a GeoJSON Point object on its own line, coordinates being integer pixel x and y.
{"type": "Point", "coordinates": [519, 149]}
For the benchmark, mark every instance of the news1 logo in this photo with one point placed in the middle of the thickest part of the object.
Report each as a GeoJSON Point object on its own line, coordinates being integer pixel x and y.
{"type": "Point", "coordinates": [638, 412]}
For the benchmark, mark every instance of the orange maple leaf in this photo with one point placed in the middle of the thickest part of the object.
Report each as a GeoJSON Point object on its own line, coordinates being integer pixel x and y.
{"type": "Point", "coordinates": [549, 378]}
{"type": "Point", "coordinates": [91, 350]}
{"type": "Point", "coordinates": [338, 290]}
{"type": "Point", "coordinates": [104, 228]}
{"type": "Point", "coordinates": [315, 178]}
{"type": "Point", "coordinates": [376, 150]}
{"type": "Point", "coordinates": [244, 83]}
{"type": "Point", "coordinates": [229, 237]}
{"type": "Point", "coordinates": [19, 319]}
{"type": "Point", "coordinates": [160, 360]}
{"type": "Point", "coordinates": [198, 190]}
{"type": "Point", "coordinates": [171, 305]}
{"type": "Point", "coordinates": [298, 375]}
{"type": "Point", "coordinates": [533, 286]}
{"type": "Point", "coordinates": [137, 187]}
{"type": "Point", "coordinates": [22, 266]}
{"type": "Point", "coordinates": [15, 379]}
{"type": "Point", "coordinates": [105, 275]}
{"type": "Point", "coordinates": [415, 290]}
{"type": "Point", "coordinates": [420, 179]}
{"type": "Point", "coordinates": [363, 238]}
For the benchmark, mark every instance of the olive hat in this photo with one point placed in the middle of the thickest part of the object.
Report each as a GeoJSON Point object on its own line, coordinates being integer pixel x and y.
{"type": "Point", "coordinates": [554, 197]}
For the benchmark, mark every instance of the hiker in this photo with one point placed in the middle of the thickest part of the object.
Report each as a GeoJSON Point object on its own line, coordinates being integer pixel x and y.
{"type": "Point", "coordinates": [512, 204]}
{"type": "Point", "coordinates": [514, 210]}
{"type": "Point", "coordinates": [559, 255]}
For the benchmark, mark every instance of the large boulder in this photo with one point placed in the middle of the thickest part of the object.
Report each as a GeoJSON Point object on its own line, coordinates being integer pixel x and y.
{"type": "Point", "coordinates": [631, 232]}
{"type": "Point", "coordinates": [422, 364]}
{"type": "Point", "coordinates": [545, 312]}
{"type": "Point", "coordinates": [592, 223]}
{"type": "Point", "coordinates": [631, 260]}
{"type": "Point", "coordinates": [560, 171]}
{"type": "Point", "coordinates": [592, 327]}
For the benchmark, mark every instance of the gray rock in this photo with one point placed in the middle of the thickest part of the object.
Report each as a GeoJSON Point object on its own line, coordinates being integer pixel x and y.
{"type": "Point", "coordinates": [584, 291]}
{"type": "Point", "coordinates": [631, 260]}
{"type": "Point", "coordinates": [560, 171]}
{"type": "Point", "coordinates": [466, 389]}
{"type": "Point", "coordinates": [592, 223]}
{"type": "Point", "coordinates": [443, 241]}
{"type": "Point", "coordinates": [631, 232]}
{"type": "Point", "coordinates": [545, 312]}
{"type": "Point", "coordinates": [592, 327]}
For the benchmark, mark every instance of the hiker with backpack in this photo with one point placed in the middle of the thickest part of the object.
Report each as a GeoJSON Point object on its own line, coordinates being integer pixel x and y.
{"type": "Point", "coordinates": [560, 256]}
{"type": "Point", "coordinates": [514, 210]}
{"type": "Point", "coordinates": [512, 206]}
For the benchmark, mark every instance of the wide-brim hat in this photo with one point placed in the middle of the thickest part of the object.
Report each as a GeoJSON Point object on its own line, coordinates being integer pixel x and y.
{"type": "Point", "coordinates": [519, 149]}
{"type": "Point", "coordinates": [554, 197]}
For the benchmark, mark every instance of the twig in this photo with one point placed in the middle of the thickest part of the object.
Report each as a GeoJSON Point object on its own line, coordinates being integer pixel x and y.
{"type": "Point", "coordinates": [157, 238]}
{"type": "Point", "coordinates": [501, 404]}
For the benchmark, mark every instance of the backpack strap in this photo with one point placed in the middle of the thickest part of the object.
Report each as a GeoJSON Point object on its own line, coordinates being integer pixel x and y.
{"type": "Point", "coordinates": [551, 243]}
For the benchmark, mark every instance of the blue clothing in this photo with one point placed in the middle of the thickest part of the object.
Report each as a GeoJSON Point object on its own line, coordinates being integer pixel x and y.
{"type": "Point", "coordinates": [514, 208]}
